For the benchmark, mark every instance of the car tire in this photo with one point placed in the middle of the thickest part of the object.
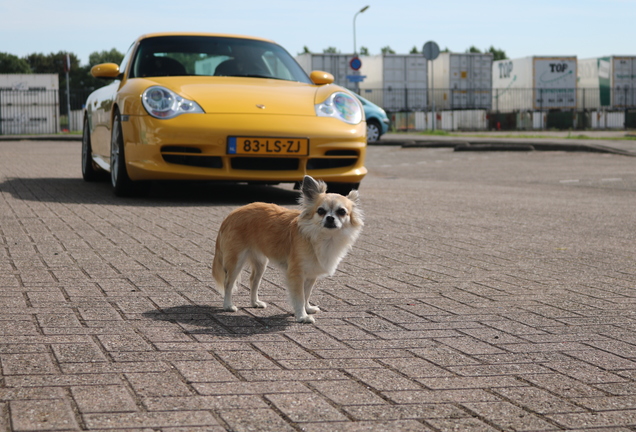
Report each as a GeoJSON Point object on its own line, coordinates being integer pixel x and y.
{"type": "Point", "coordinates": [123, 186]}
{"type": "Point", "coordinates": [374, 131]}
{"type": "Point", "coordinates": [342, 188]}
{"type": "Point", "coordinates": [89, 172]}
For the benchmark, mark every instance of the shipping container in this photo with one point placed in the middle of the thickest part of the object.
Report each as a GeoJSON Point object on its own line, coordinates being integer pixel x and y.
{"type": "Point", "coordinates": [401, 80]}
{"type": "Point", "coordinates": [29, 103]}
{"type": "Point", "coordinates": [607, 82]}
{"type": "Point", "coordinates": [336, 64]}
{"type": "Point", "coordinates": [461, 80]}
{"type": "Point", "coordinates": [534, 83]}
{"type": "Point", "coordinates": [26, 82]}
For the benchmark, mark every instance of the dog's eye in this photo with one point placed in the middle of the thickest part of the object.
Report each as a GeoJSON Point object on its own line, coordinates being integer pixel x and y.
{"type": "Point", "coordinates": [341, 212]}
{"type": "Point", "coordinates": [321, 211]}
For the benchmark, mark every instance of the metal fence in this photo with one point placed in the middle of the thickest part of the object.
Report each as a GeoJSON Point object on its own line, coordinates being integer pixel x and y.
{"type": "Point", "coordinates": [507, 109]}
{"type": "Point", "coordinates": [45, 111]}
{"type": "Point", "coordinates": [502, 100]}
{"type": "Point", "coordinates": [40, 111]}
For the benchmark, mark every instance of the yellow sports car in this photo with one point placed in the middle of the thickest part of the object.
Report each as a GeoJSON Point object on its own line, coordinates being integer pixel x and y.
{"type": "Point", "coordinates": [198, 106]}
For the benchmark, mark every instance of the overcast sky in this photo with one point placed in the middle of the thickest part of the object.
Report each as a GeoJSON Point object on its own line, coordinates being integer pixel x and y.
{"type": "Point", "coordinates": [585, 28]}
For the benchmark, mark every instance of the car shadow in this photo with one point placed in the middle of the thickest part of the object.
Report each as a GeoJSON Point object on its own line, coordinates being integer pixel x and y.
{"type": "Point", "coordinates": [209, 320]}
{"type": "Point", "coordinates": [77, 191]}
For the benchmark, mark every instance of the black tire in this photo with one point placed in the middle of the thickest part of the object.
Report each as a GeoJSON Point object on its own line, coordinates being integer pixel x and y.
{"type": "Point", "coordinates": [90, 172]}
{"type": "Point", "coordinates": [374, 131]}
{"type": "Point", "coordinates": [342, 188]}
{"type": "Point", "coordinates": [122, 185]}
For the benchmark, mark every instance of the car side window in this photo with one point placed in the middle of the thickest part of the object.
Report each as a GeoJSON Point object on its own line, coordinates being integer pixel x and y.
{"type": "Point", "coordinates": [124, 62]}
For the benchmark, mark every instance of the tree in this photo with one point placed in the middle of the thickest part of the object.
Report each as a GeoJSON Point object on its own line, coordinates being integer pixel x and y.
{"type": "Point", "coordinates": [473, 49]}
{"type": "Point", "coordinates": [364, 51]}
{"type": "Point", "coordinates": [12, 64]}
{"type": "Point", "coordinates": [387, 50]}
{"type": "Point", "coordinates": [42, 64]}
{"type": "Point", "coordinates": [497, 54]}
{"type": "Point", "coordinates": [414, 50]}
{"type": "Point", "coordinates": [112, 56]}
{"type": "Point", "coordinates": [330, 50]}
{"type": "Point", "coordinates": [305, 50]}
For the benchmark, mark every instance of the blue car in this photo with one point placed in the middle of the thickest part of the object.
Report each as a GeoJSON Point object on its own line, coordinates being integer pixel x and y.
{"type": "Point", "coordinates": [377, 120]}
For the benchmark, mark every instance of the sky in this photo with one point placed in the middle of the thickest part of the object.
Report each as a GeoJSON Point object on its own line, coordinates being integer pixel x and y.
{"type": "Point", "coordinates": [584, 28]}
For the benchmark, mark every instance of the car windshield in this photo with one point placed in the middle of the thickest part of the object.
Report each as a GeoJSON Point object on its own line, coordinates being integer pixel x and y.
{"type": "Point", "coordinates": [214, 56]}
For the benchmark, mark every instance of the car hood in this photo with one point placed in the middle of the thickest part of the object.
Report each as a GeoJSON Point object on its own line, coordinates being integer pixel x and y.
{"type": "Point", "coordinates": [230, 95]}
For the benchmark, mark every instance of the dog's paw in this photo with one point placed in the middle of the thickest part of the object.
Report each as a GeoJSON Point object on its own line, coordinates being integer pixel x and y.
{"type": "Point", "coordinates": [259, 304]}
{"type": "Point", "coordinates": [306, 319]}
{"type": "Point", "coordinates": [230, 308]}
{"type": "Point", "coordinates": [312, 309]}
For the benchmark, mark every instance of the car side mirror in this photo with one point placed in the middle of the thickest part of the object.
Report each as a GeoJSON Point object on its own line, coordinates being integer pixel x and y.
{"type": "Point", "coordinates": [321, 77]}
{"type": "Point", "coordinates": [105, 71]}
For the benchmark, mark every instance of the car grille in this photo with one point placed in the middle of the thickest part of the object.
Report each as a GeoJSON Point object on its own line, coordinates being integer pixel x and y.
{"type": "Point", "coordinates": [191, 156]}
{"type": "Point", "coordinates": [188, 156]}
{"type": "Point", "coordinates": [334, 159]}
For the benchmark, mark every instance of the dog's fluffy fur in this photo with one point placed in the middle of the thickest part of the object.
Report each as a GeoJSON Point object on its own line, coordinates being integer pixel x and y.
{"type": "Point", "coordinates": [306, 244]}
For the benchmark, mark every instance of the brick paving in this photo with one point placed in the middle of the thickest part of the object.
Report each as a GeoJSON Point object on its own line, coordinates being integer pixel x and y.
{"type": "Point", "coordinates": [488, 292]}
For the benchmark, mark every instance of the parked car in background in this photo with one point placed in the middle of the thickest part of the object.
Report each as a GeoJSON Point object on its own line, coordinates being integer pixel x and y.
{"type": "Point", "coordinates": [377, 120]}
{"type": "Point", "coordinates": [199, 106]}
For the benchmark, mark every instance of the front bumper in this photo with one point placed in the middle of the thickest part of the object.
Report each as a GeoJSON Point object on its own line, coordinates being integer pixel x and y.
{"type": "Point", "coordinates": [194, 147]}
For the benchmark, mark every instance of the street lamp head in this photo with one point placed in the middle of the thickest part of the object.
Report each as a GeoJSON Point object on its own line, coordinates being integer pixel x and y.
{"type": "Point", "coordinates": [355, 50]}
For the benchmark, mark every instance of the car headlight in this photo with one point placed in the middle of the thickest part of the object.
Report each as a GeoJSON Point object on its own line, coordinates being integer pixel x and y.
{"type": "Point", "coordinates": [341, 106]}
{"type": "Point", "coordinates": [165, 104]}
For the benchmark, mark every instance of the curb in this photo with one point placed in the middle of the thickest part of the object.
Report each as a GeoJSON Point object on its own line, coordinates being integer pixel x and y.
{"type": "Point", "coordinates": [40, 137]}
{"type": "Point", "coordinates": [462, 145]}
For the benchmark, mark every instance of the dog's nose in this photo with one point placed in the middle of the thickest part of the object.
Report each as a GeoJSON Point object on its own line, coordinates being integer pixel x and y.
{"type": "Point", "coordinates": [330, 222]}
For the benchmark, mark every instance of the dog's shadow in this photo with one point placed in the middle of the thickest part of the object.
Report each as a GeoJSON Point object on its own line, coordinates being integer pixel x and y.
{"type": "Point", "coordinates": [214, 321]}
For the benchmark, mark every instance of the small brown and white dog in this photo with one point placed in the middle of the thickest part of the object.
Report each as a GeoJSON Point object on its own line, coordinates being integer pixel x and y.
{"type": "Point", "coordinates": [307, 244]}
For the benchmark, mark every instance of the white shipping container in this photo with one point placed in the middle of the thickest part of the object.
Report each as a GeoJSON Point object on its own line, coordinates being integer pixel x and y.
{"type": "Point", "coordinates": [29, 82]}
{"type": "Point", "coordinates": [607, 82]}
{"type": "Point", "coordinates": [461, 80]}
{"type": "Point", "coordinates": [336, 64]}
{"type": "Point", "coordinates": [400, 78]}
{"type": "Point", "coordinates": [534, 83]}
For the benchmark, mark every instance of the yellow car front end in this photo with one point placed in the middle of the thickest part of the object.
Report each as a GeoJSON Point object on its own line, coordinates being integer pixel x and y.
{"type": "Point", "coordinates": [198, 146]}
{"type": "Point", "coordinates": [192, 106]}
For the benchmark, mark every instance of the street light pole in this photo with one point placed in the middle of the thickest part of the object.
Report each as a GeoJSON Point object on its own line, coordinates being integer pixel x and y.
{"type": "Point", "coordinates": [355, 48]}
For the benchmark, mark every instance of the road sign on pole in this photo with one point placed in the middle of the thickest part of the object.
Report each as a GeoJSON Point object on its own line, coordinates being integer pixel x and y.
{"type": "Point", "coordinates": [430, 51]}
{"type": "Point", "coordinates": [355, 63]}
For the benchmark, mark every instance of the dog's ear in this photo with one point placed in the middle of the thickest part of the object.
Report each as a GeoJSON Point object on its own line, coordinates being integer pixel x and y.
{"type": "Point", "coordinates": [312, 188]}
{"type": "Point", "coordinates": [354, 196]}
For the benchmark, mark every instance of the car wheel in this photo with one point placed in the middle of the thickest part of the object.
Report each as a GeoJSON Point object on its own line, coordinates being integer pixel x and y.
{"type": "Point", "coordinates": [122, 185]}
{"type": "Point", "coordinates": [342, 188]}
{"type": "Point", "coordinates": [373, 131]}
{"type": "Point", "coordinates": [89, 172]}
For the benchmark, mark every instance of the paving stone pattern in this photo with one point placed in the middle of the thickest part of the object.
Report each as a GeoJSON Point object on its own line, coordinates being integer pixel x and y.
{"type": "Point", "coordinates": [488, 292]}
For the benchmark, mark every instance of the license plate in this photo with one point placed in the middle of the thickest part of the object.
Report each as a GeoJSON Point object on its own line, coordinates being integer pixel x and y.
{"type": "Point", "coordinates": [268, 146]}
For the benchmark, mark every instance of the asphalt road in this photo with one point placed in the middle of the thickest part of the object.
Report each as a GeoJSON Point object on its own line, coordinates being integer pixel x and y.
{"type": "Point", "coordinates": [489, 291]}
